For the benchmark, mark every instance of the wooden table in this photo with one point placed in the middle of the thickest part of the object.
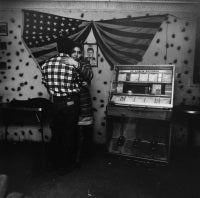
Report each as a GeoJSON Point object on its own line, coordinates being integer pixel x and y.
{"type": "Point", "coordinates": [8, 109]}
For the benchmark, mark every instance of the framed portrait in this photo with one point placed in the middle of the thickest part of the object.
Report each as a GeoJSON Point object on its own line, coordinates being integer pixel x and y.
{"type": "Point", "coordinates": [91, 53]}
{"type": "Point", "coordinates": [3, 29]}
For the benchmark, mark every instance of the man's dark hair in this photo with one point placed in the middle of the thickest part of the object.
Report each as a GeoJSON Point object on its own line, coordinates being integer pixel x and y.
{"type": "Point", "coordinates": [66, 45]}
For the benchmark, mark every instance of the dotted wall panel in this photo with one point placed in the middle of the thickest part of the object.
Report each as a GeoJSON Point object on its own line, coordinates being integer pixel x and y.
{"type": "Point", "coordinates": [174, 43]}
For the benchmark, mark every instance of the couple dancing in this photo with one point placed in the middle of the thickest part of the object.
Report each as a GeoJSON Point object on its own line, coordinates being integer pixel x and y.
{"type": "Point", "coordinates": [67, 77]}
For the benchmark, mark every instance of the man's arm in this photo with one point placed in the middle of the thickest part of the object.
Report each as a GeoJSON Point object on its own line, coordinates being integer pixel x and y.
{"type": "Point", "coordinates": [82, 68]}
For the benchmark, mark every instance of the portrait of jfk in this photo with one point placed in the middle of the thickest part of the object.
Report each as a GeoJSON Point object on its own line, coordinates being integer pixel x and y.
{"type": "Point", "coordinates": [90, 54]}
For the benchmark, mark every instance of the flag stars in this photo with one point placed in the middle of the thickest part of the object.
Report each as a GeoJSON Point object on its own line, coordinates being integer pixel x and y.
{"type": "Point", "coordinates": [39, 25]}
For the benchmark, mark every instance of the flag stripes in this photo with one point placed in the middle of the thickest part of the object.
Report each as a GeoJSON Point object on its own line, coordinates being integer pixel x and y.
{"type": "Point", "coordinates": [124, 41]}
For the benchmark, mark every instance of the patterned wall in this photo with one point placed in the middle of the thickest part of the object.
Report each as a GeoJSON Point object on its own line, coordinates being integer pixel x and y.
{"type": "Point", "coordinates": [174, 43]}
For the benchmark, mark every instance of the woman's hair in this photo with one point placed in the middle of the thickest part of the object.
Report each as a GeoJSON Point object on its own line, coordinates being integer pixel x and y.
{"type": "Point", "coordinates": [76, 45]}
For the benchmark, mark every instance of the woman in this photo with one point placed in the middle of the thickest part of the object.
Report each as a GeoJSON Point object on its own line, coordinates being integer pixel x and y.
{"type": "Point", "coordinates": [86, 118]}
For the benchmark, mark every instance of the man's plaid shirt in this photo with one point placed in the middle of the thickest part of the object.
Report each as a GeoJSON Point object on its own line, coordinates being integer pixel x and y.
{"type": "Point", "coordinates": [60, 78]}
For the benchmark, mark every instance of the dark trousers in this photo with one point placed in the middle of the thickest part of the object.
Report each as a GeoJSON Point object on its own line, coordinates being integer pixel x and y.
{"type": "Point", "coordinates": [85, 142]}
{"type": "Point", "coordinates": [63, 146]}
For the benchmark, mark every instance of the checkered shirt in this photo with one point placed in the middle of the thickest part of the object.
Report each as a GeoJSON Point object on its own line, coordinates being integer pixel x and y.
{"type": "Point", "coordinates": [60, 79]}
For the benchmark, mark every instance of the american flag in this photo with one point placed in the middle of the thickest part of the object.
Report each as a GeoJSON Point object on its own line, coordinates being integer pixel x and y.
{"type": "Point", "coordinates": [122, 41]}
{"type": "Point", "coordinates": [41, 30]}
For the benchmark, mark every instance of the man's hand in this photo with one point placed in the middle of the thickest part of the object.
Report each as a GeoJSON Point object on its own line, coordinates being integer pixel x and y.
{"type": "Point", "coordinates": [70, 61]}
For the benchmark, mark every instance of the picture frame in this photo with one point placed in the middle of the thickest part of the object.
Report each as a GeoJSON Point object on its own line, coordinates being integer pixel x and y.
{"type": "Point", "coordinates": [91, 53]}
{"type": "Point", "coordinates": [3, 29]}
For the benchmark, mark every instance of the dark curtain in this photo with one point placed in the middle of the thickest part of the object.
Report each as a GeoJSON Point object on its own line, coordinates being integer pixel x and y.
{"type": "Point", "coordinates": [122, 41]}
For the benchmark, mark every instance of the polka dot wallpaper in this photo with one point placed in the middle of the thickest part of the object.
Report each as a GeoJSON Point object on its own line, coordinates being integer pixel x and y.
{"type": "Point", "coordinates": [173, 44]}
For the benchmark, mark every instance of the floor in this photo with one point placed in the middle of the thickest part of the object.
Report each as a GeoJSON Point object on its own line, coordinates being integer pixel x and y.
{"type": "Point", "coordinates": [101, 176]}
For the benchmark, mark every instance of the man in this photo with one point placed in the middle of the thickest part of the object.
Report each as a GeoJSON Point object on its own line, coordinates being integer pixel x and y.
{"type": "Point", "coordinates": [90, 56]}
{"type": "Point", "coordinates": [61, 76]}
